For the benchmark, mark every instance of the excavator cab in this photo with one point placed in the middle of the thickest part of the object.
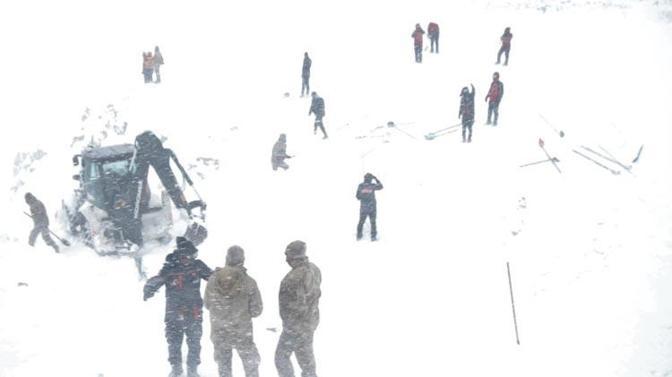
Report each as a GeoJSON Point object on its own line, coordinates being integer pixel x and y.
{"type": "Point", "coordinates": [114, 184]}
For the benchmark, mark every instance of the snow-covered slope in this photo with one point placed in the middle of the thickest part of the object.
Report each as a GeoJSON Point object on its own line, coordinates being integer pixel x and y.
{"type": "Point", "coordinates": [590, 252]}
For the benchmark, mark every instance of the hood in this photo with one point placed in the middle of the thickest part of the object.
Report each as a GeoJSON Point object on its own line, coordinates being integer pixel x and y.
{"type": "Point", "coordinates": [229, 281]}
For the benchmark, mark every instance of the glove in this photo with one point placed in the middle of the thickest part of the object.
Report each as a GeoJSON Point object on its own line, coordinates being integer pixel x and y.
{"type": "Point", "coordinates": [147, 294]}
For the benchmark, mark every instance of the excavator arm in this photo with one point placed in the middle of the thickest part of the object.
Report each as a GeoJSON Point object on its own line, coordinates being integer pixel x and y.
{"type": "Point", "coordinates": [149, 151]}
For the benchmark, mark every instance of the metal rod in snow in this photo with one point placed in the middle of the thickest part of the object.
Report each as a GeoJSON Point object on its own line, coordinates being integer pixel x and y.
{"type": "Point", "coordinates": [542, 146]}
{"type": "Point", "coordinates": [513, 305]}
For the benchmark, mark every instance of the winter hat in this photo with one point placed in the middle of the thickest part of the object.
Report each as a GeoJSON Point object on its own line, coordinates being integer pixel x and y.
{"type": "Point", "coordinates": [235, 256]}
{"type": "Point", "coordinates": [29, 197]}
{"type": "Point", "coordinates": [185, 246]}
{"type": "Point", "coordinates": [465, 90]}
{"type": "Point", "coordinates": [368, 177]}
{"type": "Point", "coordinates": [296, 249]}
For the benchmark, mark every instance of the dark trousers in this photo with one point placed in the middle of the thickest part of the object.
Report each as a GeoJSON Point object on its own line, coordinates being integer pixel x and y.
{"type": "Point", "coordinates": [305, 84]}
{"type": "Point", "coordinates": [434, 42]}
{"type": "Point", "coordinates": [466, 129]}
{"type": "Point", "coordinates": [371, 214]}
{"type": "Point", "coordinates": [320, 125]}
{"type": "Point", "coordinates": [44, 230]}
{"type": "Point", "coordinates": [504, 50]}
{"type": "Point", "coordinates": [225, 343]}
{"type": "Point", "coordinates": [493, 108]}
{"type": "Point", "coordinates": [175, 333]}
{"type": "Point", "coordinates": [301, 344]}
{"type": "Point", "coordinates": [418, 53]}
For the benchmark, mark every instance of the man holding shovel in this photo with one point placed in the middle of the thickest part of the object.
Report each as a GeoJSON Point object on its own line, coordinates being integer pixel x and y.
{"type": "Point", "coordinates": [40, 221]}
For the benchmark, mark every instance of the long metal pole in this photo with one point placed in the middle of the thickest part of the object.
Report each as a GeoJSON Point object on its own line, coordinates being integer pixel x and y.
{"type": "Point", "coordinates": [513, 305]}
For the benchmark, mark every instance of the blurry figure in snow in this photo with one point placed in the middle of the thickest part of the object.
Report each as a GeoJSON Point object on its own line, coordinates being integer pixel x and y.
{"type": "Point", "coordinates": [233, 299]}
{"type": "Point", "coordinates": [317, 108]}
{"type": "Point", "coordinates": [280, 153]}
{"type": "Point", "coordinates": [40, 222]}
{"type": "Point", "coordinates": [147, 66]}
{"type": "Point", "coordinates": [182, 274]}
{"type": "Point", "coordinates": [158, 62]}
{"type": "Point", "coordinates": [305, 74]}
{"type": "Point", "coordinates": [495, 95]}
{"type": "Point", "coordinates": [433, 33]}
{"type": "Point", "coordinates": [299, 300]}
{"type": "Point", "coordinates": [417, 42]}
{"type": "Point", "coordinates": [506, 46]}
{"type": "Point", "coordinates": [467, 112]}
{"type": "Point", "coordinates": [366, 194]}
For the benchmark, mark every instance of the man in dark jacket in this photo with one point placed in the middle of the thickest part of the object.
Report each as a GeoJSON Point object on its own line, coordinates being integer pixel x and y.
{"type": "Point", "coordinates": [40, 222]}
{"type": "Point", "coordinates": [467, 112]}
{"type": "Point", "coordinates": [233, 299]}
{"type": "Point", "coordinates": [317, 108]}
{"type": "Point", "coordinates": [182, 274]}
{"type": "Point", "coordinates": [417, 42]}
{"type": "Point", "coordinates": [279, 153]}
{"type": "Point", "coordinates": [506, 46]}
{"type": "Point", "coordinates": [158, 62]}
{"type": "Point", "coordinates": [366, 193]}
{"type": "Point", "coordinates": [495, 95]}
{"type": "Point", "coordinates": [305, 74]}
{"type": "Point", "coordinates": [433, 32]}
{"type": "Point", "coordinates": [299, 309]}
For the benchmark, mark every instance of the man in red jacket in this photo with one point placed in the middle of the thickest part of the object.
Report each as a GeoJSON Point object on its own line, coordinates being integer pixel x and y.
{"type": "Point", "coordinates": [495, 95]}
{"type": "Point", "coordinates": [433, 32]}
{"type": "Point", "coordinates": [417, 42]}
{"type": "Point", "coordinates": [506, 46]}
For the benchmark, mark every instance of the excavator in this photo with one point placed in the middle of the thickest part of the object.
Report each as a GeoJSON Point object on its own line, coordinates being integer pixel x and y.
{"type": "Point", "coordinates": [113, 210]}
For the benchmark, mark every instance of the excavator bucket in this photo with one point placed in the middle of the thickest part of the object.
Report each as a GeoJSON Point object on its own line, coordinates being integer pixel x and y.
{"type": "Point", "coordinates": [196, 233]}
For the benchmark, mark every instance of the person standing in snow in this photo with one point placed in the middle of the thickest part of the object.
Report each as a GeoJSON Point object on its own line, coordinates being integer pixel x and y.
{"type": "Point", "coordinates": [417, 42]}
{"type": "Point", "coordinates": [233, 299]}
{"type": "Point", "coordinates": [433, 32]}
{"type": "Point", "coordinates": [280, 153]}
{"type": "Point", "coordinates": [495, 95]}
{"type": "Point", "coordinates": [40, 222]}
{"type": "Point", "coordinates": [158, 62]}
{"type": "Point", "coordinates": [299, 309]}
{"type": "Point", "coordinates": [147, 66]}
{"type": "Point", "coordinates": [467, 112]}
{"type": "Point", "coordinates": [506, 46]}
{"type": "Point", "coordinates": [182, 274]}
{"type": "Point", "coordinates": [366, 194]}
{"type": "Point", "coordinates": [305, 74]}
{"type": "Point", "coordinates": [317, 108]}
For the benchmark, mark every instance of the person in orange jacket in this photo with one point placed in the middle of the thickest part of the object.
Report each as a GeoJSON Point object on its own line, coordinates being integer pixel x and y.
{"type": "Point", "coordinates": [506, 46]}
{"type": "Point", "coordinates": [417, 42]}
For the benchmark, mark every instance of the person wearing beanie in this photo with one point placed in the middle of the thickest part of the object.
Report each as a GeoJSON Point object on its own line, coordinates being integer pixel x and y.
{"type": "Point", "coordinates": [233, 299]}
{"type": "Point", "coordinates": [182, 274]}
{"type": "Point", "coordinates": [299, 309]}
{"type": "Point", "coordinates": [317, 108]}
{"type": "Point", "coordinates": [417, 42]}
{"type": "Point", "coordinates": [40, 222]}
{"type": "Point", "coordinates": [494, 97]}
{"type": "Point", "coordinates": [467, 112]}
{"type": "Point", "coordinates": [366, 194]}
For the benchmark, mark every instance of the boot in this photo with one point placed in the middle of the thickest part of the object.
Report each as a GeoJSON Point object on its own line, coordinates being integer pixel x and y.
{"type": "Point", "coordinates": [56, 249]}
{"type": "Point", "coordinates": [192, 372]}
{"type": "Point", "coordinates": [176, 371]}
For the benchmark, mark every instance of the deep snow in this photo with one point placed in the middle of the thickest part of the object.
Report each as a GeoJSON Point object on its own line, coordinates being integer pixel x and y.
{"type": "Point", "coordinates": [591, 258]}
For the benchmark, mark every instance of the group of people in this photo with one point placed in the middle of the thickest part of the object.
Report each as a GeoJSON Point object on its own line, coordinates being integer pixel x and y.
{"type": "Point", "coordinates": [232, 298]}
{"type": "Point", "coordinates": [418, 34]}
{"type": "Point", "coordinates": [151, 66]}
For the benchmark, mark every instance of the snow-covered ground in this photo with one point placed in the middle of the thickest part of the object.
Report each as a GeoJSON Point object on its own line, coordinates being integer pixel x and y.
{"type": "Point", "coordinates": [590, 252]}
